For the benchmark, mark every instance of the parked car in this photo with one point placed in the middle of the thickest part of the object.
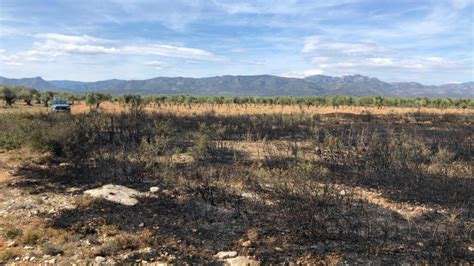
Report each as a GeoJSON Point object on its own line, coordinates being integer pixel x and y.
{"type": "Point", "coordinates": [60, 105]}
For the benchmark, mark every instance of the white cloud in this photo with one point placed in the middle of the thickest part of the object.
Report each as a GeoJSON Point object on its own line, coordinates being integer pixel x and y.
{"type": "Point", "coordinates": [357, 64]}
{"type": "Point", "coordinates": [28, 56]}
{"type": "Point", "coordinates": [55, 45]}
{"type": "Point", "coordinates": [319, 59]}
{"type": "Point", "coordinates": [73, 48]}
{"type": "Point", "coordinates": [156, 64]}
{"type": "Point", "coordinates": [12, 63]}
{"type": "Point", "coordinates": [380, 61]}
{"type": "Point", "coordinates": [70, 38]}
{"type": "Point", "coordinates": [170, 51]}
{"type": "Point", "coordinates": [312, 44]}
{"type": "Point", "coordinates": [304, 73]}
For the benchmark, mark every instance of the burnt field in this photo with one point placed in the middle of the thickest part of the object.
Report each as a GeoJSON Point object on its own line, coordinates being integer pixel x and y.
{"type": "Point", "coordinates": [274, 188]}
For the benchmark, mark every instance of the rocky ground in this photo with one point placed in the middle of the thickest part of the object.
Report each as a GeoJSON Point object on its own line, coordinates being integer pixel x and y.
{"type": "Point", "coordinates": [66, 221]}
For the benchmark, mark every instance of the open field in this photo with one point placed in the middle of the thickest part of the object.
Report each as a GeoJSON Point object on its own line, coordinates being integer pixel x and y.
{"type": "Point", "coordinates": [241, 109]}
{"type": "Point", "coordinates": [272, 184]}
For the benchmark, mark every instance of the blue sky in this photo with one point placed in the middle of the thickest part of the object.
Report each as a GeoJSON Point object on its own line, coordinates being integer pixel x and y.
{"type": "Point", "coordinates": [429, 41]}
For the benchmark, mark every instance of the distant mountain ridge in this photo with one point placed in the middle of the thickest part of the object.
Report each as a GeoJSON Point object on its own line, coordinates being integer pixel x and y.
{"type": "Point", "coordinates": [35, 83]}
{"type": "Point", "coordinates": [259, 85]}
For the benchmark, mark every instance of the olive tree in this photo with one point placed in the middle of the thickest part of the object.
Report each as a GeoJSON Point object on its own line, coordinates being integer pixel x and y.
{"type": "Point", "coordinates": [8, 95]}
{"type": "Point", "coordinates": [46, 97]}
{"type": "Point", "coordinates": [95, 99]}
{"type": "Point", "coordinates": [27, 95]}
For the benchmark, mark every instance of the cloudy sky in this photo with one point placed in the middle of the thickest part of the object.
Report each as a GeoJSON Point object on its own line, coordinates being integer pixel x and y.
{"type": "Point", "coordinates": [429, 41]}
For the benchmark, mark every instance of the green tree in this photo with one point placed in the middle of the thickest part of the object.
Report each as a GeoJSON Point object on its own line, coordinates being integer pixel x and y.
{"type": "Point", "coordinates": [46, 97]}
{"type": "Point", "coordinates": [8, 95]}
{"type": "Point", "coordinates": [95, 99]}
{"type": "Point", "coordinates": [26, 95]}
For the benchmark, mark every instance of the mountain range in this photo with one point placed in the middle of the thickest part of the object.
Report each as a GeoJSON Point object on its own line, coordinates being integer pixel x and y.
{"type": "Point", "coordinates": [260, 85]}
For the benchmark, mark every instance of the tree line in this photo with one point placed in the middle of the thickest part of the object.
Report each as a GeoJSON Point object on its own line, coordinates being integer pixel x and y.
{"type": "Point", "coordinates": [10, 95]}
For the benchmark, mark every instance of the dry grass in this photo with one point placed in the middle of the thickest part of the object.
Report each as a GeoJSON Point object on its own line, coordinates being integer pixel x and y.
{"type": "Point", "coordinates": [9, 254]}
{"type": "Point", "coordinates": [239, 109]}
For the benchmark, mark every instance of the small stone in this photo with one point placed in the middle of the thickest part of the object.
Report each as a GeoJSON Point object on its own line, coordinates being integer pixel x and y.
{"type": "Point", "coordinates": [141, 225]}
{"type": "Point", "coordinates": [247, 243]}
{"type": "Point", "coordinates": [154, 189]}
{"type": "Point", "coordinates": [51, 261]}
{"type": "Point", "coordinates": [226, 254]}
{"type": "Point", "coordinates": [11, 244]}
{"type": "Point", "coordinates": [32, 258]}
{"type": "Point", "coordinates": [17, 258]}
{"type": "Point", "coordinates": [100, 259]}
{"type": "Point", "coordinates": [27, 247]}
{"type": "Point", "coordinates": [279, 249]}
{"type": "Point", "coordinates": [342, 193]}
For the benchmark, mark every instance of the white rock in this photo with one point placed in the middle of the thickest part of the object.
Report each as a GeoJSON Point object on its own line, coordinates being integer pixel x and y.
{"type": "Point", "coordinates": [11, 244]}
{"type": "Point", "coordinates": [32, 258]}
{"type": "Point", "coordinates": [154, 189]}
{"type": "Point", "coordinates": [226, 254]}
{"type": "Point", "coordinates": [342, 193]}
{"type": "Point", "coordinates": [279, 249]}
{"type": "Point", "coordinates": [100, 259]}
{"type": "Point", "coordinates": [241, 261]}
{"type": "Point", "coordinates": [115, 193]}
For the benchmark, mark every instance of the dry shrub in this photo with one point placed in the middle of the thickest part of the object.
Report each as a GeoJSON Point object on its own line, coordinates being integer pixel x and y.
{"type": "Point", "coordinates": [52, 250]}
{"type": "Point", "coordinates": [13, 233]}
{"type": "Point", "coordinates": [9, 254]}
{"type": "Point", "coordinates": [315, 213]}
{"type": "Point", "coordinates": [86, 202]}
{"type": "Point", "coordinates": [33, 236]}
{"type": "Point", "coordinates": [125, 241]}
